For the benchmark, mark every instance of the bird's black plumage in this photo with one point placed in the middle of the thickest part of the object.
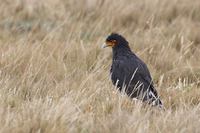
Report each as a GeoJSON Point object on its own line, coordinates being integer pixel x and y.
{"type": "Point", "coordinates": [129, 73]}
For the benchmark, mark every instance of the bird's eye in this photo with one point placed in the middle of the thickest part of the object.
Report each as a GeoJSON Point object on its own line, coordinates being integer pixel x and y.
{"type": "Point", "coordinates": [113, 41]}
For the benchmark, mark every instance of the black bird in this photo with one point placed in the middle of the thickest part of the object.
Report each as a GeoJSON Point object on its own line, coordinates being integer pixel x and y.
{"type": "Point", "coordinates": [129, 73]}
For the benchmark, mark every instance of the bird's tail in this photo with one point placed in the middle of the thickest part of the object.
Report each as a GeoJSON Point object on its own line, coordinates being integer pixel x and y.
{"type": "Point", "coordinates": [154, 99]}
{"type": "Point", "coordinates": [157, 102]}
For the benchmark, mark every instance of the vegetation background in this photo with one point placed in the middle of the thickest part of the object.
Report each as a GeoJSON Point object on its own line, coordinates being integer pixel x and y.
{"type": "Point", "coordinates": [54, 77]}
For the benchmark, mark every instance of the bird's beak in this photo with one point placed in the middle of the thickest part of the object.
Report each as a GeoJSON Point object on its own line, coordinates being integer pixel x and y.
{"type": "Point", "coordinates": [104, 45]}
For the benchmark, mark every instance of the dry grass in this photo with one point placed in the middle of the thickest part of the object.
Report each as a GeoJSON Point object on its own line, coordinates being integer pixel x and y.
{"type": "Point", "coordinates": [55, 78]}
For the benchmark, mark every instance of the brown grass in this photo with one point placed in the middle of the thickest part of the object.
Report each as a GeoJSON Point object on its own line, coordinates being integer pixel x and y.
{"type": "Point", "coordinates": [54, 77]}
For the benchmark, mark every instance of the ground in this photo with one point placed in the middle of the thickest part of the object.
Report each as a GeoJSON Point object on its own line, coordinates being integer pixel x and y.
{"type": "Point", "coordinates": [54, 76]}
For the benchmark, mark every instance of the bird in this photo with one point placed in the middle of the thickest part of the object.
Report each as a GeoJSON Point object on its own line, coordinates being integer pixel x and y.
{"type": "Point", "coordinates": [129, 73]}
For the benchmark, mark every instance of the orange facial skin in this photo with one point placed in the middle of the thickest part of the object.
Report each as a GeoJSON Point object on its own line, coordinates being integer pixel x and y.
{"type": "Point", "coordinates": [111, 43]}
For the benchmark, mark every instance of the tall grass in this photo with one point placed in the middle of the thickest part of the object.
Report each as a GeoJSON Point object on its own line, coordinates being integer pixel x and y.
{"type": "Point", "coordinates": [54, 77]}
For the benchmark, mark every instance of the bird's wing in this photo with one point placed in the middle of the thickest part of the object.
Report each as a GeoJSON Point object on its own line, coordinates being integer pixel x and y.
{"type": "Point", "coordinates": [151, 93]}
{"type": "Point", "coordinates": [145, 76]}
{"type": "Point", "coordinates": [128, 69]}
{"type": "Point", "coordinates": [134, 71]}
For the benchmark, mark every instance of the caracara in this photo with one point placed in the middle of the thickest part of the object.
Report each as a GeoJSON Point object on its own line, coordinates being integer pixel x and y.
{"type": "Point", "coordinates": [129, 73]}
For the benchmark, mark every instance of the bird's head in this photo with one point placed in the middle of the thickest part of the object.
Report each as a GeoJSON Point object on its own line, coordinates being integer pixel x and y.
{"type": "Point", "coordinates": [115, 40]}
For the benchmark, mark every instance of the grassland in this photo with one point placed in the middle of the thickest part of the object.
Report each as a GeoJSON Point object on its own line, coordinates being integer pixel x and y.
{"type": "Point", "coordinates": [54, 77]}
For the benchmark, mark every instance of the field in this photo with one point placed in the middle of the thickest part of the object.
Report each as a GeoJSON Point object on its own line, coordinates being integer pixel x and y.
{"type": "Point", "coordinates": [54, 76]}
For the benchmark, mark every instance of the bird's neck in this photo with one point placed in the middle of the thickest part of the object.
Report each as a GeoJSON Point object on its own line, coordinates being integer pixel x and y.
{"type": "Point", "coordinates": [120, 51]}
